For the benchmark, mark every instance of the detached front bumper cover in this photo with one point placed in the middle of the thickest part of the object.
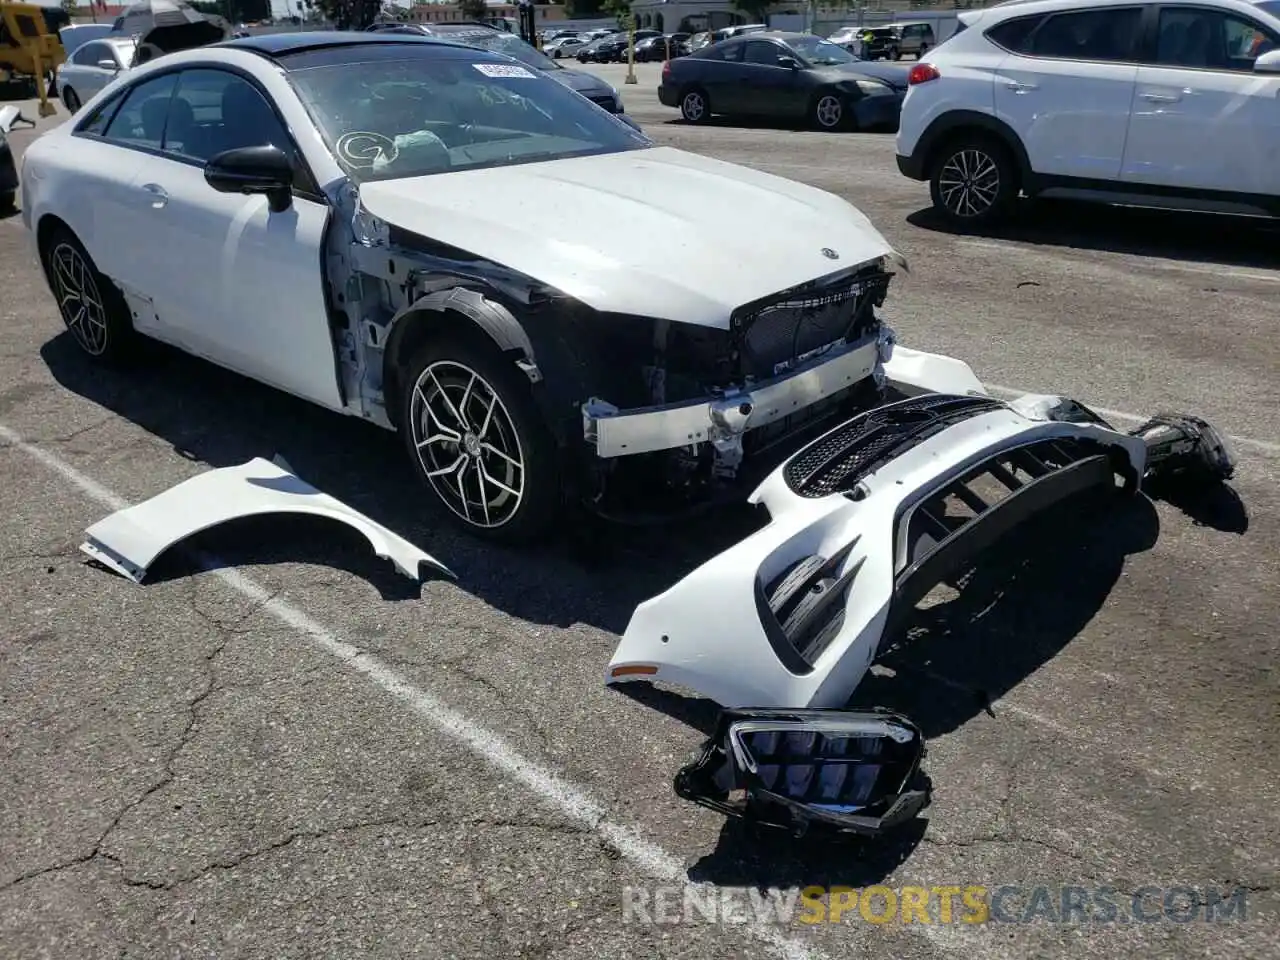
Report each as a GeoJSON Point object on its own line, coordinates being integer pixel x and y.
{"type": "Point", "coordinates": [842, 771]}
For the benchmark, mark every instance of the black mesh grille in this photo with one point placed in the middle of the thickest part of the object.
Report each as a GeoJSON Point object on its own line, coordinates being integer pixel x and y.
{"type": "Point", "coordinates": [837, 461]}
{"type": "Point", "coordinates": [777, 333]}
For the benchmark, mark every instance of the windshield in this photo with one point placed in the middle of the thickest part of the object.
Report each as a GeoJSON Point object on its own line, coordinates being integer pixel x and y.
{"type": "Point", "coordinates": [418, 115]}
{"type": "Point", "coordinates": [821, 53]}
{"type": "Point", "coordinates": [504, 43]}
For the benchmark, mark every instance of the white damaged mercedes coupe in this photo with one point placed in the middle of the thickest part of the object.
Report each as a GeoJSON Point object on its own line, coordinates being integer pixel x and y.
{"type": "Point", "coordinates": [375, 223]}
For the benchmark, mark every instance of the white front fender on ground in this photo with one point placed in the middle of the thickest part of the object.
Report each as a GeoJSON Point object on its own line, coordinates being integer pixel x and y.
{"type": "Point", "coordinates": [130, 540]}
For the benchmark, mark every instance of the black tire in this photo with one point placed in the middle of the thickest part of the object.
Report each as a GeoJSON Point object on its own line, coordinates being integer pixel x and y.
{"type": "Point", "coordinates": [973, 180]}
{"type": "Point", "coordinates": [924, 48]}
{"type": "Point", "coordinates": [93, 309]}
{"type": "Point", "coordinates": [437, 373]}
{"type": "Point", "coordinates": [895, 54]}
{"type": "Point", "coordinates": [70, 100]}
{"type": "Point", "coordinates": [695, 105]}
{"type": "Point", "coordinates": [8, 202]}
{"type": "Point", "coordinates": [829, 111]}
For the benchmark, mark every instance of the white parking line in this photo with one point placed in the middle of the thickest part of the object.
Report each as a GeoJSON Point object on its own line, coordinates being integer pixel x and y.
{"type": "Point", "coordinates": [572, 801]}
{"type": "Point", "coordinates": [1265, 445]}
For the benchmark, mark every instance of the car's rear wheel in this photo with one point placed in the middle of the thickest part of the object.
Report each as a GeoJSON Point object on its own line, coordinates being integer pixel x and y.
{"type": "Point", "coordinates": [8, 201]}
{"type": "Point", "coordinates": [828, 111]}
{"type": "Point", "coordinates": [70, 100]}
{"type": "Point", "coordinates": [694, 105]}
{"type": "Point", "coordinates": [475, 436]}
{"type": "Point", "coordinates": [92, 308]}
{"type": "Point", "coordinates": [974, 180]}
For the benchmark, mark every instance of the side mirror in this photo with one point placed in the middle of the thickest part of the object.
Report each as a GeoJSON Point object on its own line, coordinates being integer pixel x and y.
{"type": "Point", "coordinates": [265, 169]}
{"type": "Point", "coordinates": [1269, 62]}
{"type": "Point", "coordinates": [840, 770]}
{"type": "Point", "coordinates": [109, 65]}
{"type": "Point", "coordinates": [791, 63]}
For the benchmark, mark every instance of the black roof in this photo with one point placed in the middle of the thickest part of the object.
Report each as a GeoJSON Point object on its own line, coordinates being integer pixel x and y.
{"type": "Point", "coordinates": [279, 44]}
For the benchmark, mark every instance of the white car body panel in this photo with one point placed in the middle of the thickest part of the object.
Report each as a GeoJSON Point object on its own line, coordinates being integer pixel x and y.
{"type": "Point", "coordinates": [1230, 118]}
{"type": "Point", "coordinates": [679, 238]}
{"type": "Point", "coordinates": [705, 633]}
{"type": "Point", "coordinates": [1072, 118]}
{"type": "Point", "coordinates": [130, 540]}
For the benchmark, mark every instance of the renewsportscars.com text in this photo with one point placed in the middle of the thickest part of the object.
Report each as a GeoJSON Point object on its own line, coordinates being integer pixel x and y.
{"type": "Point", "coordinates": [943, 904]}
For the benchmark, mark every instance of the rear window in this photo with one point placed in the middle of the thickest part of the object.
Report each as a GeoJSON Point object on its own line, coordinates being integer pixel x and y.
{"type": "Point", "coordinates": [1012, 35]}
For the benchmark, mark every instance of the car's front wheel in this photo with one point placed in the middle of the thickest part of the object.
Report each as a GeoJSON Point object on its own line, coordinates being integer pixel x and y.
{"type": "Point", "coordinates": [92, 308]}
{"type": "Point", "coordinates": [475, 436]}
{"type": "Point", "coordinates": [694, 106]}
{"type": "Point", "coordinates": [974, 181]}
{"type": "Point", "coordinates": [828, 112]}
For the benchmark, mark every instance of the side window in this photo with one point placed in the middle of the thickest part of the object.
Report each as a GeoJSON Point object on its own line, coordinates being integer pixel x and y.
{"type": "Point", "coordinates": [140, 121]}
{"type": "Point", "coordinates": [89, 54]}
{"type": "Point", "coordinates": [761, 52]}
{"type": "Point", "coordinates": [1107, 34]}
{"type": "Point", "coordinates": [732, 52]}
{"type": "Point", "coordinates": [96, 123]}
{"type": "Point", "coordinates": [215, 110]}
{"type": "Point", "coordinates": [1013, 35]}
{"type": "Point", "coordinates": [1209, 40]}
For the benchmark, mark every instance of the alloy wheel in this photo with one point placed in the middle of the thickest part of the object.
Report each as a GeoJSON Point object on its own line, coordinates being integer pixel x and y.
{"type": "Point", "coordinates": [694, 107]}
{"type": "Point", "coordinates": [467, 444]}
{"type": "Point", "coordinates": [829, 111]}
{"type": "Point", "coordinates": [79, 299]}
{"type": "Point", "coordinates": [969, 183]}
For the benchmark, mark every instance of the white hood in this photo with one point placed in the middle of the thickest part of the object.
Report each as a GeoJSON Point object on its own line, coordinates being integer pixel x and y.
{"type": "Point", "coordinates": [656, 232]}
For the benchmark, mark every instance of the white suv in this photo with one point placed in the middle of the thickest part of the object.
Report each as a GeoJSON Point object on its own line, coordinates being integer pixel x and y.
{"type": "Point", "coordinates": [1154, 104]}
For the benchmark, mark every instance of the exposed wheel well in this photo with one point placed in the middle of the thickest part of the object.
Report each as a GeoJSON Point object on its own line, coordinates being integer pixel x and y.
{"type": "Point", "coordinates": [457, 312]}
{"type": "Point", "coordinates": [44, 230]}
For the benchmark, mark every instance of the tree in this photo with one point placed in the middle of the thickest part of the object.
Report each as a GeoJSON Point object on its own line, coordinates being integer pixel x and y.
{"type": "Point", "coordinates": [473, 9]}
{"type": "Point", "coordinates": [350, 14]}
{"type": "Point", "coordinates": [757, 10]}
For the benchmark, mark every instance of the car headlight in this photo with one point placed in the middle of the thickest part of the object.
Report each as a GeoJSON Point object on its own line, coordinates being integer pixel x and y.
{"type": "Point", "coordinates": [871, 88]}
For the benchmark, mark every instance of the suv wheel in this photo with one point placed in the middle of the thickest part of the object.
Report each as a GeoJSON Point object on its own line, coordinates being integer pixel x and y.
{"type": "Point", "coordinates": [973, 181]}
{"type": "Point", "coordinates": [895, 53]}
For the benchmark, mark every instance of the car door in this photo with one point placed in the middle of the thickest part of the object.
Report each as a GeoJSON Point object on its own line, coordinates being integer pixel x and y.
{"type": "Point", "coordinates": [117, 138]}
{"type": "Point", "coordinates": [1067, 88]}
{"type": "Point", "coordinates": [721, 73]}
{"type": "Point", "coordinates": [1202, 119]}
{"type": "Point", "coordinates": [232, 280]}
{"type": "Point", "coordinates": [768, 87]}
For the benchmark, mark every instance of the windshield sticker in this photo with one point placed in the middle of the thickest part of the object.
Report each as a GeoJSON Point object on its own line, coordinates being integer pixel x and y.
{"type": "Point", "coordinates": [505, 71]}
{"type": "Point", "coordinates": [362, 149]}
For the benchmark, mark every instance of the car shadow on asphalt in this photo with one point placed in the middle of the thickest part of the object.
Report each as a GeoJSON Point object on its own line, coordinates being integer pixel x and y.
{"type": "Point", "coordinates": [799, 125]}
{"type": "Point", "coordinates": [1171, 235]}
{"type": "Point", "coordinates": [593, 574]}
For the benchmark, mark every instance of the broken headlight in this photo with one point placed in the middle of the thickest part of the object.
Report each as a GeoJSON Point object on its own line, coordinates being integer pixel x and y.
{"type": "Point", "coordinates": [795, 769]}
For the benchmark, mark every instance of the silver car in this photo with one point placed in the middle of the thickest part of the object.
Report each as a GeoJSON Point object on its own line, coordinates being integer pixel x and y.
{"type": "Point", "coordinates": [92, 67]}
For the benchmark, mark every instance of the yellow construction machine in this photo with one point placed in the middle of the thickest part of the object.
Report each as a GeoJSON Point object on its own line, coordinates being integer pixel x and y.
{"type": "Point", "coordinates": [30, 50]}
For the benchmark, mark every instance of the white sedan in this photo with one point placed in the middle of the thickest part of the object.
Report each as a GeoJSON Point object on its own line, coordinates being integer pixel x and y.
{"type": "Point", "coordinates": [371, 222]}
{"type": "Point", "coordinates": [564, 47]}
{"type": "Point", "coordinates": [91, 67]}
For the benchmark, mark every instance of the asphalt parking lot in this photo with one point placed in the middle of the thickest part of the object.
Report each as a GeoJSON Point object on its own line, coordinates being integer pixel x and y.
{"type": "Point", "coordinates": [286, 751]}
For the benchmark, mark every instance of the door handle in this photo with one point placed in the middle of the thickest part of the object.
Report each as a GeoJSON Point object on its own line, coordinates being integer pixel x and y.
{"type": "Point", "coordinates": [1161, 97]}
{"type": "Point", "coordinates": [1018, 87]}
{"type": "Point", "coordinates": [159, 196]}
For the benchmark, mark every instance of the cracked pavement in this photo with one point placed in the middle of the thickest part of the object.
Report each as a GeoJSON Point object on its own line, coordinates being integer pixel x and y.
{"type": "Point", "coordinates": [185, 775]}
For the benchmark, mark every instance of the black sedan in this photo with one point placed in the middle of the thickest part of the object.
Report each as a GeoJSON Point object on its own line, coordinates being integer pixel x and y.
{"type": "Point", "coordinates": [614, 49]}
{"type": "Point", "coordinates": [659, 48]}
{"type": "Point", "coordinates": [785, 76]}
